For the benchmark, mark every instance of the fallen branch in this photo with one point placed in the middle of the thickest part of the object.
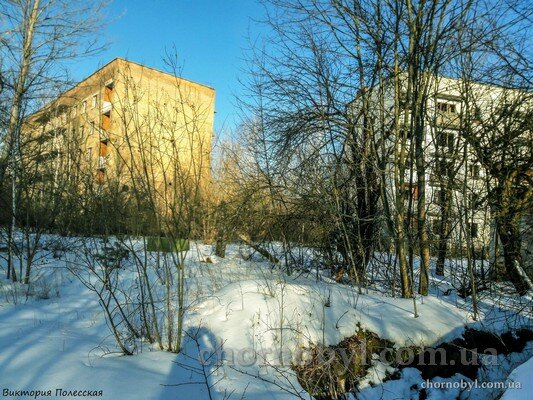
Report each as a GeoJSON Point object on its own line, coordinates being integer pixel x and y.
{"type": "Point", "coordinates": [264, 252]}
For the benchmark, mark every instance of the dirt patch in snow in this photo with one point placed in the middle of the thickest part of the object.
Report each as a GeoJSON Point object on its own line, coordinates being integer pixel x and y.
{"type": "Point", "coordinates": [464, 355]}
{"type": "Point", "coordinates": [330, 372]}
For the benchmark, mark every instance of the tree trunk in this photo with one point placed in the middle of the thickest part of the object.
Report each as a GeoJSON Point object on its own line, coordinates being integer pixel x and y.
{"type": "Point", "coordinates": [13, 131]}
{"type": "Point", "coordinates": [407, 291]}
{"type": "Point", "coordinates": [423, 238]}
{"type": "Point", "coordinates": [11, 272]}
{"type": "Point", "coordinates": [443, 229]}
{"type": "Point", "coordinates": [261, 250]}
{"type": "Point", "coordinates": [220, 247]}
{"type": "Point", "coordinates": [20, 88]}
{"type": "Point", "coordinates": [509, 232]}
{"type": "Point", "coordinates": [499, 269]}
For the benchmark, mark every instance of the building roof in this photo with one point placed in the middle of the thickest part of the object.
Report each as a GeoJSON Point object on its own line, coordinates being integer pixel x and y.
{"type": "Point", "coordinates": [117, 60]}
{"type": "Point", "coordinates": [145, 66]}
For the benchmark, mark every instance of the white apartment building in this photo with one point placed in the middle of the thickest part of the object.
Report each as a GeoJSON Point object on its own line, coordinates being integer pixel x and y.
{"type": "Point", "coordinates": [453, 172]}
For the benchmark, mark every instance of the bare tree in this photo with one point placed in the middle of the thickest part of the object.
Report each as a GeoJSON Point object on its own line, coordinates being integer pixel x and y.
{"type": "Point", "coordinates": [349, 89]}
{"type": "Point", "coordinates": [161, 154]}
{"type": "Point", "coordinates": [350, 83]}
{"type": "Point", "coordinates": [39, 38]}
{"type": "Point", "coordinates": [499, 132]}
{"type": "Point", "coordinates": [494, 64]}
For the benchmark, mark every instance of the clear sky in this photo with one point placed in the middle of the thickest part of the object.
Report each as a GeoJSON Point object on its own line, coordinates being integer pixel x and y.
{"type": "Point", "coordinates": [209, 36]}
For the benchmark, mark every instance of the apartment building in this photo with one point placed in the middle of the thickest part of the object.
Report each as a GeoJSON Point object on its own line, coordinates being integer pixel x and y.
{"type": "Point", "coordinates": [449, 156]}
{"type": "Point", "coordinates": [454, 176]}
{"type": "Point", "coordinates": [127, 124]}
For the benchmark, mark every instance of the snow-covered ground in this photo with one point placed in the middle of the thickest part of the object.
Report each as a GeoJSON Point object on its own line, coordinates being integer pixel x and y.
{"type": "Point", "coordinates": [238, 309]}
{"type": "Point", "coordinates": [521, 377]}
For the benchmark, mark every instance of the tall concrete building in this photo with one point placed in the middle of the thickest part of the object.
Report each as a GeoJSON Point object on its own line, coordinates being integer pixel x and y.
{"type": "Point", "coordinates": [127, 125]}
{"type": "Point", "coordinates": [455, 182]}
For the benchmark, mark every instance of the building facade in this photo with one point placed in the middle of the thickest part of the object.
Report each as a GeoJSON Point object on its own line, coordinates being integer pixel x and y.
{"type": "Point", "coordinates": [455, 182]}
{"type": "Point", "coordinates": [127, 126]}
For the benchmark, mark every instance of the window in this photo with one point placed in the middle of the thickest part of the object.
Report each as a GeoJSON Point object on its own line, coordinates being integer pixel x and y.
{"type": "Point", "coordinates": [93, 128]}
{"type": "Point", "coordinates": [94, 100]}
{"type": "Point", "coordinates": [106, 122]}
{"type": "Point", "coordinates": [102, 162]}
{"type": "Point", "coordinates": [474, 171]}
{"type": "Point", "coordinates": [103, 148]}
{"type": "Point", "coordinates": [84, 106]}
{"type": "Point", "coordinates": [108, 91]}
{"type": "Point", "coordinates": [473, 199]}
{"type": "Point", "coordinates": [446, 108]}
{"type": "Point", "coordinates": [473, 230]}
{"type": "Point", "coordinates": [410, 191]}
{"type": "Point", "coordinates": [451, 142]}
{"type": "Point", "coordinates": [444, 169]}
{"type": "Point", "coordinates": [447, 115]}
{"type": "Point", "coordinates": [440, 173]}
{"type": "Point", "coordinates": [88, 154]}
{"type": "Point", "coordinates": [440, 197]}
{"type": "Point", "coordinates": [446, 140]}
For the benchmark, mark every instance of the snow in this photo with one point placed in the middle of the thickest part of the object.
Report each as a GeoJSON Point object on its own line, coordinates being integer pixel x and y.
{"type": "Point", "coordinates": [489, 384]}
{"type": "Point", "coordinates": [521, 377]}
{"type": "Point", "coordinates": [60, 343]}
{"type": "Point", "coordinates": [406, 388]}
{"type": "Point", "coordinates": [248, 319]}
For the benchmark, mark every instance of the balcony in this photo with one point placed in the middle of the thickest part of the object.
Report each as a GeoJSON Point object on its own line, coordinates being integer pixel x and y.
{"type": "Point", "coordinates": [106, 107]}
{"type": "Point", "coordinates": [102, 163]}
{"type": "Point", "coordinates": [104, 136]}
{"type": "Point", "coordinates": [448, 120]}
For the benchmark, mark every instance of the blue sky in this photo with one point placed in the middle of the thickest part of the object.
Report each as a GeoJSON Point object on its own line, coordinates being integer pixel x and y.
{"type": "Point", "coordinates": [209, 36]}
